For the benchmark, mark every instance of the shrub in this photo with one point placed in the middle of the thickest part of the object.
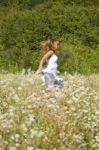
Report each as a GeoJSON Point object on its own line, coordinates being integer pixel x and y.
{"type": "Point", "coordinates": [22, 30]}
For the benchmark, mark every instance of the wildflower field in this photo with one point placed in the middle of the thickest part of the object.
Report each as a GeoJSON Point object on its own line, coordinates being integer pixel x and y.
{"type": "Point", "coordinates": [31, 120]}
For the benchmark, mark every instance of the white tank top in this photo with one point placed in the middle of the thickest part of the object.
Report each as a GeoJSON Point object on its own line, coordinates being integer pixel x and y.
{"type": "Point", "coordinates": [52, 65]}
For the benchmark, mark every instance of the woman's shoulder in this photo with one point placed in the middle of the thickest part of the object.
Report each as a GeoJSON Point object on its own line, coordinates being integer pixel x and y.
{"type": "Point", "coordinates": [49, 53]}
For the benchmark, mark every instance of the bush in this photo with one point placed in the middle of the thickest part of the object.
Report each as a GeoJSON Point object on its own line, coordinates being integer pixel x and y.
{"type": "Point", "coordinates": [22, 30]}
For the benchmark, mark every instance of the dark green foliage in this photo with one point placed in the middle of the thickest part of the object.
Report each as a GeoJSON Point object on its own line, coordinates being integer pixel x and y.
{"type": "Point", "coordinates": [23, 26]}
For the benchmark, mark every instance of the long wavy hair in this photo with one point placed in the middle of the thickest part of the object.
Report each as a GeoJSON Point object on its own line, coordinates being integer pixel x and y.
{"type": "Point", "coordinates": [48, 45]}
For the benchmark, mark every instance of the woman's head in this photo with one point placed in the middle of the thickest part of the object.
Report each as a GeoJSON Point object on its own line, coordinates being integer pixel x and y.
{"type": "Point", "coordinates": [50, 45]}
{"type": "Point", "coordinates": [55, 44]}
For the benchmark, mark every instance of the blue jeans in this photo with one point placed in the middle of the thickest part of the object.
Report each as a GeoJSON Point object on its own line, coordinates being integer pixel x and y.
{"type": "Point", "coordinates": [59, 82]}
{"type": "Point", "coordinates": [49, 79]}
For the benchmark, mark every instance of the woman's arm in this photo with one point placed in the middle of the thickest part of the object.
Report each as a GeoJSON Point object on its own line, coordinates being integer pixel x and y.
{"type": "Point", "coordinates": [46, 56]}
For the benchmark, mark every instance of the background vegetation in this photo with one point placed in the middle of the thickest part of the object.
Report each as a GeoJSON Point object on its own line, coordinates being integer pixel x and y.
{"type": "Point", "coordinates": [24, 23]}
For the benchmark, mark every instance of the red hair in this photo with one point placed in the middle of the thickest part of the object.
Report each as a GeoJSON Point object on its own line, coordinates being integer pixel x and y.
{"type": "Point", "coordinates": [48, 45]}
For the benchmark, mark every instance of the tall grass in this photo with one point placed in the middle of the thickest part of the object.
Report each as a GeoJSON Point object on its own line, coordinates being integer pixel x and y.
{"type": "Point", "coordinates": [31, 120]}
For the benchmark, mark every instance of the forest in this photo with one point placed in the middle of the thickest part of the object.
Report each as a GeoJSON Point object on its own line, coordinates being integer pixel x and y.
{"type": "Point", "coordinates": [25, 23]}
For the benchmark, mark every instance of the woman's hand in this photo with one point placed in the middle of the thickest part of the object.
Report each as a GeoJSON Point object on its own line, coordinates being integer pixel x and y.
{"type": "Point", "coordinates": [39, 71]}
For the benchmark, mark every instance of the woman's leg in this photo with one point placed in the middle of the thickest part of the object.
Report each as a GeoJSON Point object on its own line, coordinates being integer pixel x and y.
{"type": "Point", "coordinates": [49, 82]}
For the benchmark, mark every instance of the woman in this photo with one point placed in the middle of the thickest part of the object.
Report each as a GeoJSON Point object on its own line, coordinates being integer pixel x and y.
{"type": "Point", "coordinates": [49, 60]}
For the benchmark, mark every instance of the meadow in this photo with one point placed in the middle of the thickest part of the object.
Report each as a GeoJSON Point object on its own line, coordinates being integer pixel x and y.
{"type": "Point", "coordinates": [29, 118]}
{"type": "Point", "coordinates": [32, 120]}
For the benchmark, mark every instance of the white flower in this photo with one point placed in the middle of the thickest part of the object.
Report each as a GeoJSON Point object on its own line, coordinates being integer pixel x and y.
{"type": "Point", "coordinates": [97, 112]}
{"type": "Point", "coordinates": [62, 135]}
{"type": "Point", "coordinates": [30, 148]}
{"type": "Point", "coordinates": [31, 119]}
{"type": "Point", "coordinates": [12, 148]}
{"type": "Point", "coordinates": [37, 133]}
{"type": "Point", "coordinates": [17, 144]}
{"type": "Point", "coordinates": [40, 133]}
{"type": "Point", "coordinates": [97, 138]}
{"type": "Point", "coordinates": [78, 137]}
{"type": "Point", "coordinates": [19, 88]}
{"type": "Point", "coordinates": [16, 98]}
{"type": "Point", "coordinates": [34, 132]}
{"type": "Point", "coordinates": [6, 142]}
{"type": "Point", "coordinates": [17, 136]}
{"type": "Point", "coordinates": [29, 106]}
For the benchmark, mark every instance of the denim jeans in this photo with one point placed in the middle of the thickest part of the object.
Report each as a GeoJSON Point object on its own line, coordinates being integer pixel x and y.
{"type": "Point", "coordinates": [49, 79]}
